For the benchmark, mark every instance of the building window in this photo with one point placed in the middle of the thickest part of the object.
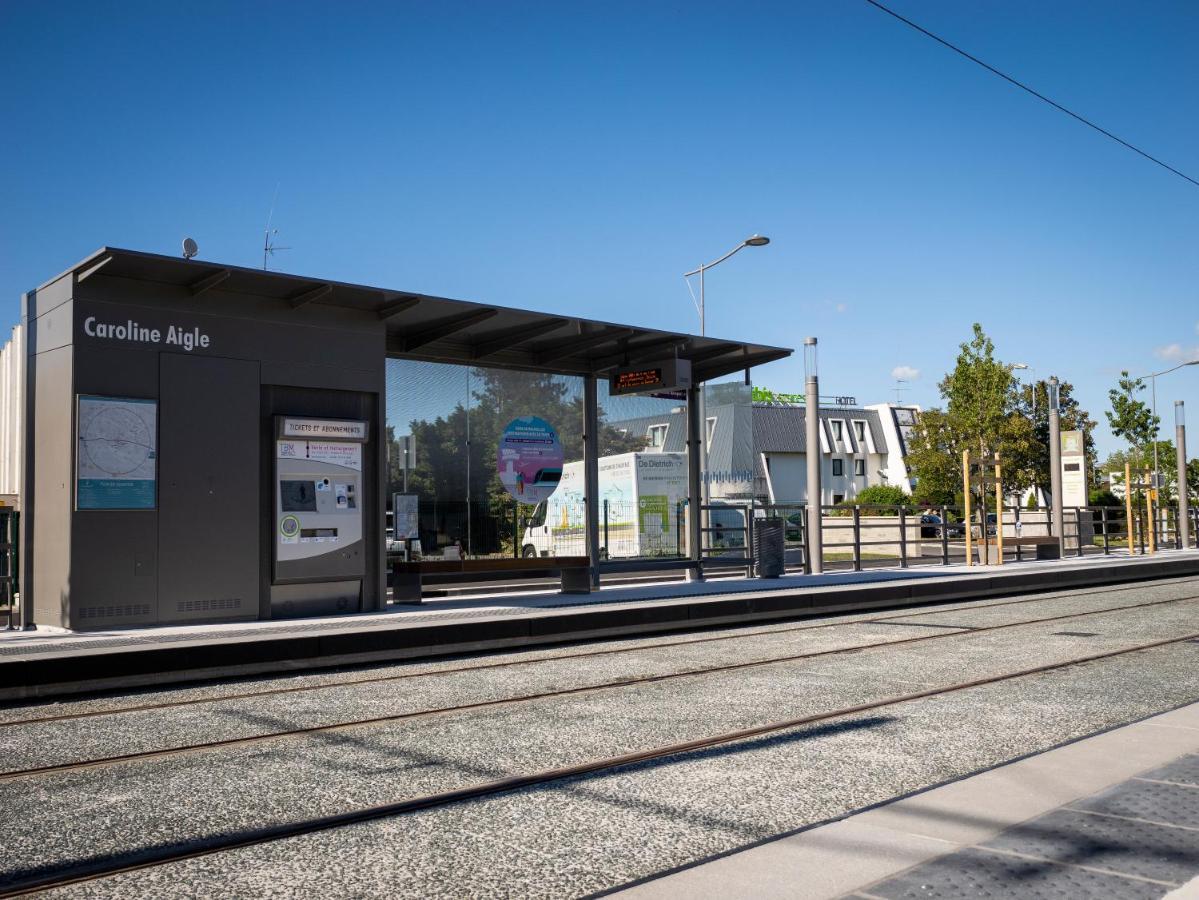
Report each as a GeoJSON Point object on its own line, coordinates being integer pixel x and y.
{"type": "Point", "coordinates": [656, 437]}
{"type": "Point", "coordinates": [710, 430]}
{"type": "Point", "coordinates": [838, 468]}
{"type": "Point", "coordinates": [838, 499]}
{"type": "Point", "coordinates": [859, 467]}
{"type": "Point", "coordinates": [838, 428]}
{"type": "Point", "coordinates": [859, 428]}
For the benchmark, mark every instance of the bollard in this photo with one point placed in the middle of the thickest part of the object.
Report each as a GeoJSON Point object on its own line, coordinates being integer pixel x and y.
{"type": "Point", "coordinates": [857, 539]}
{"type": "Point", "coordinates": [944, 536]}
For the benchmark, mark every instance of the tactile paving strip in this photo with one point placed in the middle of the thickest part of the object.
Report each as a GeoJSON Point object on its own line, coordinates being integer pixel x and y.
{"type": "Point", "coordinates": [1170, 804]}
{"type": "Point", "coordinates": [1118, 845]}
{"type": "Point", "coordinates": [1181, 771]}
{"type": "Point", "coordinates": [1139, 838]}
{"type": "Point", "coordinates": [977, 873]}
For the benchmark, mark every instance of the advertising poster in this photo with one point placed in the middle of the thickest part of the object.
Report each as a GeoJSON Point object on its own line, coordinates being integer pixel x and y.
{"type": "Point", "coordinates": [117, 453]}
{"type": "Point", "coordinates": [406, 516]}
{"type": "Point", "coordinates": [529, 459]}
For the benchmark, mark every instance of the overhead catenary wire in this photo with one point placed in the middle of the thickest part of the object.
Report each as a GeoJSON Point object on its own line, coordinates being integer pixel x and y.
{"type": "Point", "coordinates": [1035, 93]}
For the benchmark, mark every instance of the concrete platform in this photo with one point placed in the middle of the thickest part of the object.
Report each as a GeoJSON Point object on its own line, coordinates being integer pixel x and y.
{"type": "Point", "coordinates": [43, 663]}
{"type": "Point", "coordinates": [1114, 815]}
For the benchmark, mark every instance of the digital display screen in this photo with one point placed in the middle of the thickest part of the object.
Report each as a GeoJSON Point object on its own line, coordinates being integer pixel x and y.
{"type": "Point", "coordinates": [637, 379]}
{"type": "Point", "coordinates": [297, 496]}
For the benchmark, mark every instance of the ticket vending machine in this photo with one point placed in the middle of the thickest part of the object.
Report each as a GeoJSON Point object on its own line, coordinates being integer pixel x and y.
{"type": "Point", "coordinates": [319, 551]}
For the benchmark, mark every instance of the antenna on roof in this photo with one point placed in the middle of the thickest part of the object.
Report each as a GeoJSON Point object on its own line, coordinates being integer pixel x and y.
{"type": "Point", "coordinates": [268, 241]}
{"type": "Point", "coordinates": [190, 248]}
{"type": "Point", "coordinates": [898, 388]}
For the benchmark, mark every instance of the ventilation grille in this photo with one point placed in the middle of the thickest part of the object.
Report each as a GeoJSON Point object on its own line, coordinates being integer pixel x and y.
{"type": "Point", "coordinates": [113, 612]}
{"type": "Point", "coordinates": [208, 605]}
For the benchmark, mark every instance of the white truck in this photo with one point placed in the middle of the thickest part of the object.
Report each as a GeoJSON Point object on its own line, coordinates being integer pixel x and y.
{"type": "Point", "coordinates": [642, 511]}
{"type": "Point", "coordinates": [645, 493]}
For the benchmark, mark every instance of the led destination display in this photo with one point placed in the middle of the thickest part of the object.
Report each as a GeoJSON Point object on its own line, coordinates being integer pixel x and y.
{"type": "Point", "coordinates": [666, 375]}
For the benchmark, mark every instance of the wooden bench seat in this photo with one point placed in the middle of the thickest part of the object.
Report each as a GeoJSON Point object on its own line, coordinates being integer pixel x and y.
{"type": "Point", "coordinates": [1048, 547]}
{"type": "Point", "coordinates": [407, 577]}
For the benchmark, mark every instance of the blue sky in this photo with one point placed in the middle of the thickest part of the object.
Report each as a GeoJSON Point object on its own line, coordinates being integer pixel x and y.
{"type": "Point", "coordinates": [580, 157]}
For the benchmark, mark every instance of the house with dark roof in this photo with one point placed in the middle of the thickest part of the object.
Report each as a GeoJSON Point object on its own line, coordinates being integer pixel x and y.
{"type": "Point", "coordinates": [756, 450]}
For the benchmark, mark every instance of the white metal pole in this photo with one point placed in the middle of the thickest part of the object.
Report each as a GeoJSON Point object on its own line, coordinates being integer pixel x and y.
{"type": "Point", "coordinates": [1180, 445]}
{"type": "Point", "coordinates": [703, 404]}
{"type": "Point", "coordinates": [812, 452]}
{"type": "Point", "coordinates": [1055, 465]}
{"type": "Point", "coordinates": [468, 525]}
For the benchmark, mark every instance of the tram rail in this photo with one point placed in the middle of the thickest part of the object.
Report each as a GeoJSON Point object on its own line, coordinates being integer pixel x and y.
{"type": "Point", "coordinates": [295, 733]}
{"type": "Point", "coordinates": [147, 858]}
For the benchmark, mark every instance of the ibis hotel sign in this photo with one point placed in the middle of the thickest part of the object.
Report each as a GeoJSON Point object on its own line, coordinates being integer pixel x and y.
{"type": "Point", "coordinates": [665, 375]}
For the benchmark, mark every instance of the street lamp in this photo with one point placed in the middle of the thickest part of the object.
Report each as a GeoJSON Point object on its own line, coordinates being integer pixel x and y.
{"type": "Point", "coordinates": [1020, 367]}
{"type": "Point", "coordinates": [1152, 376]}
{"type": "Point", "coordinates": [754, 240]}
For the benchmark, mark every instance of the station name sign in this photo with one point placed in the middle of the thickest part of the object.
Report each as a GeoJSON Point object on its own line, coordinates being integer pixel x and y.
{"type": "Point", "coordinates": [323, 429]}
{"type": "Point", "coordinates": [666, 375]}
{"type": "Point", "coordinates": [134, 332]}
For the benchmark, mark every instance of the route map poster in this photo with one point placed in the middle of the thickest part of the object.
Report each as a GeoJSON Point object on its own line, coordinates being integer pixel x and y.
{"type": "Point", "coordinates": [117, 453]}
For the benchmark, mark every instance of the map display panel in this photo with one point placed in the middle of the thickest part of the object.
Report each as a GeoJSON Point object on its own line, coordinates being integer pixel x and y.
{"type": "Point", "coordinates": [117, 453]}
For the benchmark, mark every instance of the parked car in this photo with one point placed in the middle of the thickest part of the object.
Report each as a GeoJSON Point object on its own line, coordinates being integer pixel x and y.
{"type": "Point", "coordinates": [931, 526]}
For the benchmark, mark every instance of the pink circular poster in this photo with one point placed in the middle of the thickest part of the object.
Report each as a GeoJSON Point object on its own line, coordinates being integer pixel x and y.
{"type": "Point", "coordinates": [529, 459]}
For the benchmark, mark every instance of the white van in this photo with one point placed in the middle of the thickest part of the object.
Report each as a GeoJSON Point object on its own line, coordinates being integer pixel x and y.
{"type": "Point", "coordinates": [645, 494]}
{"type": "Point", "coordinates": [644, 515]}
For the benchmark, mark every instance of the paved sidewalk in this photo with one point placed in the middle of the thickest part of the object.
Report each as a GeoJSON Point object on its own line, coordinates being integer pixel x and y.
{"type": "Point", "coordinates": [1114, 815]}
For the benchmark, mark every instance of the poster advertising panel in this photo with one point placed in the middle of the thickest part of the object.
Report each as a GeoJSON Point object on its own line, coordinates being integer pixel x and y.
{"type": "Point", "coordinates": [529, 459]}
{"type": "Point", "coordinates": [117, 453]}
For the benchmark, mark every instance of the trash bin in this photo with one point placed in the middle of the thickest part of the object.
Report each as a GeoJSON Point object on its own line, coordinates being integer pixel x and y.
{"type": "Point", "coordinates": [768, 541]}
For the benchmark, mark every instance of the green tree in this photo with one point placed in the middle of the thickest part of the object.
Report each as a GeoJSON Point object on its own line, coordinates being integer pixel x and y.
{"type": "Point", "coordinates": [982, 414]}
{"type": "Point", "coordinates": [1130, 418]}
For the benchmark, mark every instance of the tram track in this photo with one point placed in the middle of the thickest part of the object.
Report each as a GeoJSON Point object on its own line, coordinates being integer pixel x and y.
{"type": "Point", "coordinates": [148, 858]}
{"type": "Point", "coordinates": [247, 740]}
{"type": "Point", "coordinates": [590, 654]}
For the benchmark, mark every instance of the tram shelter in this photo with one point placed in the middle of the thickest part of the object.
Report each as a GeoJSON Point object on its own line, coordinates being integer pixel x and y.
{"type": "Point", "coordinates": [205, 442]}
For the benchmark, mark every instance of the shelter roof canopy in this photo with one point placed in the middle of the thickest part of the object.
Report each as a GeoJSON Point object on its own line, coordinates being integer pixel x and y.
{"type": "Point", "coordinates": [438, 329]}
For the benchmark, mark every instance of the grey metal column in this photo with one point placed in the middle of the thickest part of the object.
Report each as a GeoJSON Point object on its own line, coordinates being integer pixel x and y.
{"type": "Point", "coordinates": [28, 457]}
{"type": "Point", "coordinates": [812, 449]}
{"type": "Point", "coordinates": [695, 500]}
{"type": "Point", "coordinates": [1055, 464]}
{"type": "Point", "coordinates": [1180, 444]}
{"type": "Point", "coordinates": [591, 473]}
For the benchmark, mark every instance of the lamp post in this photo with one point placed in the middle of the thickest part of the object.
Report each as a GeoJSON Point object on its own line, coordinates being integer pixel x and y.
{"type": "Point", "coordinates": [755, 240]}
{"type": "Point", "coordinates": [1055, 464]}
{"type": "Point", "coordinates": [1021, 367]}
{"type": "Point", "coordinates": [1152, 376]}
{"type": "Point", "coordinates": [815, 527]}
{"type": "Point", "coordinates": [1180, 450]}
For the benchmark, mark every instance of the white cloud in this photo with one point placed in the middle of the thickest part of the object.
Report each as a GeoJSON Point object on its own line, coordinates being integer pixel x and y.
{"type": "Point", "coordinates": [905, 373]}
{"type": "Point", "coordinates": [841, 307]}
{"type": "Point", "coordinates": [1197, 328]}
{"type": "Point", "coordinates": [1170, 351]}
{"type": "Point", "coordinates": [1176, 353]}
